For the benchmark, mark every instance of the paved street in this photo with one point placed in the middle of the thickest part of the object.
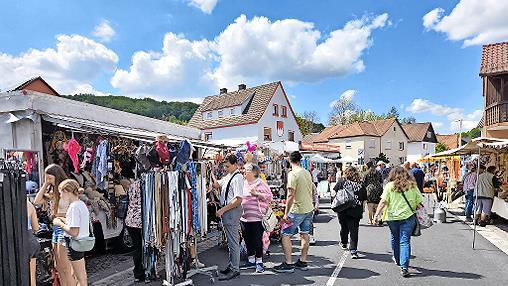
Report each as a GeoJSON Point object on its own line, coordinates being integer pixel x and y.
{"type": "Point", "coordinates": [441, 256]}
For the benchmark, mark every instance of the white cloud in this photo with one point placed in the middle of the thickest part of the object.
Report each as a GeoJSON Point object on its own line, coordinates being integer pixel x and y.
{"type": "Point", "coordinates": [291, 50]}
{"type": "Point", "coordinates": [432, 18]}
{"type": "Point", "coordinates": [453, 114]}
{"type": "Point", "coordinates": [348, 94]}
{"type": "Point", "coordinates": [437, 124]}
{"type": "Point", "coordinates": [86, 88]}
{"type": "Point", "coordinates": [473, 21]}
{"type": "Point", "coordinates": [182, 70]}
{"type": "Point", "coordinates": [104, 31]}
{"type": "Point", "coordinates": [206, 6]}
{"type": "Point", "coordinates": [76, 60]}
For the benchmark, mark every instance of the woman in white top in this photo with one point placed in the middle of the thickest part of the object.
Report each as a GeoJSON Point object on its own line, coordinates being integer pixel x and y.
{"type": "Point", "coordinates": [48, 195]}
{"type": "Point", "coordinates": [77, 225]}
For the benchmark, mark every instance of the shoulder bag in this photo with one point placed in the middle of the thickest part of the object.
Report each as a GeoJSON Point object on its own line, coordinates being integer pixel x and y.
{"type": "Point", "coordinates": [83, 244]}
{"type": "Point", "coordinates": [417, 231]}
{"type": "Point", "coordinates": [344, 198]}
{"type": "Point", "coordinates": [227, 189]}
{"type": "Point", "coordinates": [268, 219]}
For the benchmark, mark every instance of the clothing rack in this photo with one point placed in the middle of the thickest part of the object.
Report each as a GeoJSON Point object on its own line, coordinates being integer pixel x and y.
{"type": "Point", "coordinates": [13, 225]}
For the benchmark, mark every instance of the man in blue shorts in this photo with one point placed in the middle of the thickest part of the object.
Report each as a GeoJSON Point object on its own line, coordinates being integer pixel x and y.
{"type": "Point", "coordinates": [298, 216]}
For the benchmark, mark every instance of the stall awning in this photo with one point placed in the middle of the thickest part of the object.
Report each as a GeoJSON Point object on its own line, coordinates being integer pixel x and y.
{"type": "Point", "coordinates": [319, 147]}
{"type": "Point", "coordinates": [89, 126]}
{"type": "Point", "coordinates": [473, 146]}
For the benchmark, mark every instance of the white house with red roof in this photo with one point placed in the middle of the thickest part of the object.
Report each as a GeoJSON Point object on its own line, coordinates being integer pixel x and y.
{"type": "Point", "coordinates": [257, 114]}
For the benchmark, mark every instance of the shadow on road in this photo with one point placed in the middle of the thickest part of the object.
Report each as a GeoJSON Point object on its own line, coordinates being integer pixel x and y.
{"type": "Point", "coordinates": [423, 272]}
{"type": "Point", "coordinates": [355, 273]}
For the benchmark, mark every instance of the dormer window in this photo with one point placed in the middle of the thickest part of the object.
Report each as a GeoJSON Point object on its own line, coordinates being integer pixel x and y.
{"type": "Point", "coordinates": [221, 113]}
{"type": "Point", "coordinates": [209, 115]}
{"type": "Point", "coordinates": [275, 110]}
{"type": "Point", "coordinates": [232, 111]}
{"type": "Point", "coordinates": [284, 111]}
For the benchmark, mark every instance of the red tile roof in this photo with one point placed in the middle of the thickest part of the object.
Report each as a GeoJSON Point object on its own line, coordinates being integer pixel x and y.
{"type": "Point", "coordinates": [494, 59]}
{"type": "Point", "coordinates": [255, 109]}
{"type": "Point", "coordinates": [375, 128]}
{"type": "Point", "coordinates": [451, 141]}
{"type": "Point", "coordinates": [417, 132]}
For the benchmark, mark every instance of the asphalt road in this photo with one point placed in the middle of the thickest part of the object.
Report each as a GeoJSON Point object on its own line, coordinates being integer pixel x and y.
{"type": "Point", "coordinates": [441, 256]}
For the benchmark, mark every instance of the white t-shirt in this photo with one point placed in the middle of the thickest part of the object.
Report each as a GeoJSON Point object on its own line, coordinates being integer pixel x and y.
{"type": "Point", "coordinates": [78, 216]}
{"type": "Point", "coordinates": [235, 188]}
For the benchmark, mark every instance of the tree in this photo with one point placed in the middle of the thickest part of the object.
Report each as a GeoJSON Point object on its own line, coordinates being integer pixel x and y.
{"type": "Point", "coordinates": [393, 113]}
{"type": "Point", "coordinates": [408, 120]}
{"type": "Point", "coordinates": [473, 133]}
{"type": "Point", "coordinates": [441, 147]}
{"type": "Point", "coordinates": [342, 110]}
{"type": "Point", "coordinates": [382, 157]}
{"type": "Point", "coordinates": [308, 123]}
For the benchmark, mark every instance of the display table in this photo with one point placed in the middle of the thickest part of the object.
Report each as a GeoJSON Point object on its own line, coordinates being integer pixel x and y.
{"type": "Point", "coordinates": [500, 207]}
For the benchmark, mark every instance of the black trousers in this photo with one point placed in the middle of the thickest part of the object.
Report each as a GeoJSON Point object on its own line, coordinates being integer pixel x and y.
{"type": "Point", "coordinates": [137, 254]}
{"type": "Point", "coordinates": [349, 227]}
{"type": "Point", "coordinates": [253, 236]}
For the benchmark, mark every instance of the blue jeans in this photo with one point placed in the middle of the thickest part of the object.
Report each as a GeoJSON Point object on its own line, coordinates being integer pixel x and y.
{"type": "Point", "coordinates": [469, 203]}
{"type": "Point", "coordinates": [401, 231]}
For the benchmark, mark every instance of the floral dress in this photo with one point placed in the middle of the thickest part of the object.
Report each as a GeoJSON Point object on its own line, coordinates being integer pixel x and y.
{"type": "Point", "coordinates": [133, 218]}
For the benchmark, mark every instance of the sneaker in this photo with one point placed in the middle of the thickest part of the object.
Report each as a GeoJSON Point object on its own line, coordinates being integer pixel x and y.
{"type": "Point", "coordinates": [343, 246]}
{"type": "Point", "coordinates": [469, 219]}
{"type": "Point", "coordinates": [248, 265]}
{"type": "Point", "coordinates": [312, 240]}
{"type": "Point", "coordinates": [137, 280]}
{"type": "Point", "coordinates": [404, 272]}
{"type": "Point", "coordinates": [284, 268]}
{"type": "Point", "coordinates": [225, 271]}
{"type": "Point", "coordinates": [301, 265]}
{"type": "Point", "coordinates": [230, 275]}
{"type": "Point", "coordinates": [197, 264]}
{"type": "Point", "coordinates": [260, 268]}
{"type": "Point", "coordinates": [354, 255]}
{"type": "Point", "coordinates": [395, 261]}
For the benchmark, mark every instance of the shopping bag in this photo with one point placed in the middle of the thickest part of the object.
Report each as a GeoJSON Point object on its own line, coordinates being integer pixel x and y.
{"type": "Point", "coordinates": [422, 217]}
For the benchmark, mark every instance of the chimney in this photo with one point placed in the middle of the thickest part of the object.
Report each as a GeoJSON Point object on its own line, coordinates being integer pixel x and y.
{"type": "Point", "coordinates": [223, 90]}
{"type": "Point", "coordinates": [242, 86]}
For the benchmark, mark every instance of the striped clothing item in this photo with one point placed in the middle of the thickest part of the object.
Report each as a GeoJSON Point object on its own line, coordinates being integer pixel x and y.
{"type": "Point", "coordinates": [470, 181]}
{"type": "Point", "coordinates": [252, 205]}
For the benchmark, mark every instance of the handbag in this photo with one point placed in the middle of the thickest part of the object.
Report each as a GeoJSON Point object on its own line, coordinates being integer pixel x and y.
{"type": "Point", "coordinates": [123, 206]}
{"type": "Point", "coordinates": [417, 231]}
{"type": "Point", "coordinates": [344, 199]}
{"type": "Point", "coordinates": [268, 220]}
{"type": "Point", "coordinates": [83, 244]}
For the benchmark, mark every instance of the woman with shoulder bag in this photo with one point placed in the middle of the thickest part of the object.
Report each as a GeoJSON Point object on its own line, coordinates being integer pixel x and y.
{"type": "Point", "coordinates": [76, 227]}
{"type": "Point", "coordinates": [255, 203]}
{"type": "Point", "coordinates": [399, 200]}
{"type": "Point", "coordinates": [349, 219]}
{"type": "Point", "coordinates": [48, 195]}
{"type": "Point", "coordinates": [373, 184]}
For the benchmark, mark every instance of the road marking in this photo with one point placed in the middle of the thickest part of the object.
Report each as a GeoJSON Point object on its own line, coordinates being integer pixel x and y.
{"type": "Point", "coordinates": [337, 270]}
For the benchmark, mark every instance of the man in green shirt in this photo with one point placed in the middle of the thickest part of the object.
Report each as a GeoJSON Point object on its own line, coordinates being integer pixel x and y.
{"type": "Point", "coordinates": [298, 215]}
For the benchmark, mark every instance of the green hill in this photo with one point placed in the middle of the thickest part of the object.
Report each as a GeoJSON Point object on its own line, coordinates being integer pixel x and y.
{"type": "Point", "coordinates": [177, 112]}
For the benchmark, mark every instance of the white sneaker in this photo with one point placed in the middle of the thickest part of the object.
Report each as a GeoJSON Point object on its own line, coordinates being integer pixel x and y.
{"type": "Point", "coordinates": [197, 264]}
{"type": "Point", "coordinates": [312, 240]}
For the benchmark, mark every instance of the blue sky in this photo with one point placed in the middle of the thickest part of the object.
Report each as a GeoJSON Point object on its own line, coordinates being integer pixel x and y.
{"type": "Point", "coordinates": [422, 57]}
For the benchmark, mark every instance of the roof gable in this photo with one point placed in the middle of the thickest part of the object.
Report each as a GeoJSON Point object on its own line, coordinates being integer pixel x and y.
{"type": "Point", "coordinates": [451, 141]}
{"type": "Point", "coordinates": [258, 104]}
{"type": "Point", "coordinates": [417, 132]}
{"type": "Point", "coordinates": [494, 59]}
{"type": "Point", "coordinates": [37, 84]}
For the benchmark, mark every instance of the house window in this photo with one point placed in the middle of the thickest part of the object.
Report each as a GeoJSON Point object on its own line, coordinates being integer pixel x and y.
{"type": "Point", "coordinates": [284, 111]}
{"type": "Point", "coordinates": [275, 110]}
{"type": "Point", "coordinates": [388, 145]}
{"type": "Point", "coordinates": [209, 115]}
{"type": "Point", "coordinates": [394, 129]}
{"type": "Point", "coordinates": [221, 113]}
{"type": "Point", "coordinates": [291, 136]}
{"type": "Point", "coordinates": [372, 143]}
{"type": "Point", "coordinates": [401, 146]}
{"type": "Point", "coordinates": [267, 134]}
{"type": "Point", "coordinates": [232, 111]}
{"type": "Point", "coordinates": [348, 143]}
{"type": "Point", "coordinates": [425, 146]}
{"type": "Point", "coordinates": [208, 136]}
{"type": "Point", "coordinates": [429, 134]}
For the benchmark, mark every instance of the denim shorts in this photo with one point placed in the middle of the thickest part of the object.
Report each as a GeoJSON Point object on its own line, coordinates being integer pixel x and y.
{"type": "Point", "coordinates": [302, 222]}
{"type": "Point", "coordinates": [58, 235]}
{"type": "Point", "coordinates": [71, 253]}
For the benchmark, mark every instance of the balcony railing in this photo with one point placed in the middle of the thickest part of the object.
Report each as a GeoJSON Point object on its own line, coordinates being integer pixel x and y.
{"type": "Point", "coordinates": [496, 113]}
